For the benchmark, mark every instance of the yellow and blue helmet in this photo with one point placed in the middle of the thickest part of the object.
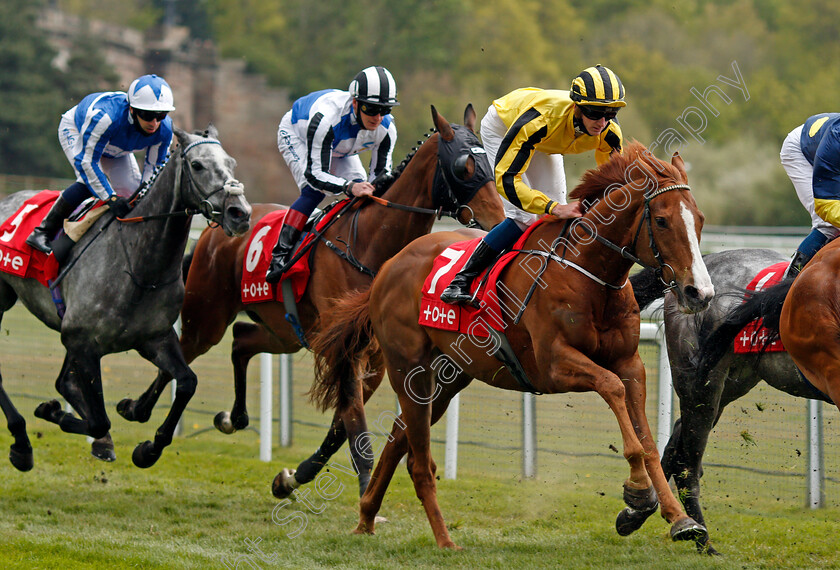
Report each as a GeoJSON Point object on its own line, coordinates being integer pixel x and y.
{"type": "Point", "coordinates": [597, 86]}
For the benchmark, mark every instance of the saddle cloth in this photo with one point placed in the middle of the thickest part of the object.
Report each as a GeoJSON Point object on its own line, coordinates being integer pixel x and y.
{"type": "Point", "coordinates": [18, 258]}
{"type": "Point", "coordinates": [751, 338]}
{"type": "Point", "coordinates": [255, 289]}
{"type": "Point", "coordinates": [493, 297]}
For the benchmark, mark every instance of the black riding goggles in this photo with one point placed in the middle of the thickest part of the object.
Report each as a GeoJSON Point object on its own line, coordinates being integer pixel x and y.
{"type": "Point", "coordinates": [594, 113]}
{"type": "Point", "coordinates": [373, 110]}
{"type": "Point", "coordinates": [150, 116]}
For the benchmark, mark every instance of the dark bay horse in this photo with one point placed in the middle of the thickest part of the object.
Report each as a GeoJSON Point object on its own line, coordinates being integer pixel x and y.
{"type": "Point", "coordinates": [126, 290]}
{"type": "Point", "coordinates": [578, 332]}
{"type": "Point", "coordinates": [373, 234]}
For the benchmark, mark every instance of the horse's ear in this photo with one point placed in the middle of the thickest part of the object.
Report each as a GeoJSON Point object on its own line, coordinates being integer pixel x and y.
{"type": "Point", "coordinates": [679, 164]}
{"type": "Point", "coordinates": [183, 136]}
{"type": "Point", "coordinates": [442, 125]}
{"type": "Point", "coordinates": [469, 117]}
{"type": "Point", "coordinates": [212, 131]}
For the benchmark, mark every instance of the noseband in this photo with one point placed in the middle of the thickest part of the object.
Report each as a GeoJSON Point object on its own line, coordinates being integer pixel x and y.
{"type": "Point", "coordinates": [627, 252]}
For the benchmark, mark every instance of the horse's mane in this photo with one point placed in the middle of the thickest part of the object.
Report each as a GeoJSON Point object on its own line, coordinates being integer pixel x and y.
{"type": "Point", "coordinates": [396, 172]}
{"type": "Point", "coordinates": [597, 181]}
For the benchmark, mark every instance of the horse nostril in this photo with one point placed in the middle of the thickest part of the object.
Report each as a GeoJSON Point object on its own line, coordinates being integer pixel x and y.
{"type": "Point", "coordinates": [692, 292]}
{"type": "Point", "coordinates": [236, 213]}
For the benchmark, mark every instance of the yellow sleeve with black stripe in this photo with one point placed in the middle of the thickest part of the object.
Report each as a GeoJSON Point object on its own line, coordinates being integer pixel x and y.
{"type": "Point", "coordinates": [515, 155]}
{"type": "Point", "coordinates": [611, 141]}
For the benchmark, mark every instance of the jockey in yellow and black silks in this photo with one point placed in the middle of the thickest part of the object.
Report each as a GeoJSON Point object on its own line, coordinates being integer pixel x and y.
{"type": "Point", "coordinates": [526, 133]}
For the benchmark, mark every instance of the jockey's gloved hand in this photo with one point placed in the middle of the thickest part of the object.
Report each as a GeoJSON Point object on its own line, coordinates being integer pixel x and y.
{"type": "Point", "coordinates": [119, 205]}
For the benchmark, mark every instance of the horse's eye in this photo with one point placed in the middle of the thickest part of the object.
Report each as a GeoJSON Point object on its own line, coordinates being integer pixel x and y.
{"type": "Point", "coordinates": [460, 167]}
{"type": "Point", "coordinates": [661, 223]}
{"type": "Point", "coordinates": [196, 165]}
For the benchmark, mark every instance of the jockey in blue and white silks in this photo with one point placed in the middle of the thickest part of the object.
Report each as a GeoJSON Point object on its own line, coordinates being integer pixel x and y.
{"type": "Point", "coordinates": [320, 139]}
{"type": "Point", "coordinates": [98, 137]}
{"type": "Point", "coordinates": [811, 157]}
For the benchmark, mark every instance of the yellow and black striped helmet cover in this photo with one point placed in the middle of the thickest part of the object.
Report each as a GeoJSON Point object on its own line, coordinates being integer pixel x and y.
{"type": "Point", "coordinates": [598, 86]}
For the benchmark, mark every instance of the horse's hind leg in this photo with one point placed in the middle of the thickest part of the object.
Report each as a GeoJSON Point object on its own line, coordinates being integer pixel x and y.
{"type": "Point", "coordinates": [20, 453]}
{"type": "Point", "coordinates": [80, 381]}
{"type": "Point", "coordinates": [165, 353]}
{"type": "Point", "coordinates": [101, 448]}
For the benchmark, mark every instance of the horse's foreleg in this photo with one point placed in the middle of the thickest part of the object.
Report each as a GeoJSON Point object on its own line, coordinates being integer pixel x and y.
{"type": "Point", "coordinates": [165, 353]}
{"type": "Point", "coordinates": [20, 453]}
{"type": "Point", "coordinates": [290, 479]}
{"type": "Point", "coordinates": [249, 339]}
{"type": "Point", "coordinates": [683, 527]}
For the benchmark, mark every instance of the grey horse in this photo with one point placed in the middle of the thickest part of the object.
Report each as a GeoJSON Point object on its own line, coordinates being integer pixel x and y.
{"type": "Point", "coordinates": [123, 290]}
{"type": "Point", "coordinates": [703, 397]}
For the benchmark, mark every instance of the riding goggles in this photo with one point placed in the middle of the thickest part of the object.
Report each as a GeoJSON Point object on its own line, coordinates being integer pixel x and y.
{"type": "Point", "coordinates": [594, 113]}
{"type": "Point", "coordinates": [151, 115]}
{"type": "Point", "coordinates": [373, 110]}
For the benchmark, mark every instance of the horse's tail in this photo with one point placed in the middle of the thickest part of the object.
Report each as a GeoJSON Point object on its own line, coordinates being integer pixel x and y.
{"type": "Point", "coordinates": [185, 264]}
{"type": "Point", "coordinates": [647, 287]}
{"type": "Point", "coordinates": [343, 353]}
{"type": "Point", "coordinates": [714, 342]}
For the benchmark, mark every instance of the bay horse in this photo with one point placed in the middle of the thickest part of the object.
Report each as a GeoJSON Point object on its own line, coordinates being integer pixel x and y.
{"type": "Point", "coordinates": [372, 234]}
{"type": "Point", "coordinates": [703, 396]}
{"type": "Point", "coordinates": [578, 332]}
{"type": "Point", "coordinates": [123, 290]}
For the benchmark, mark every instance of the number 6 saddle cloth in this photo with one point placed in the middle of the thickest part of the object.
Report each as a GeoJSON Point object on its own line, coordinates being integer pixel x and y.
{"type": "Point", "coordinates": [753, 336]}
{"type": "Point", "coordinates": [255, 289]}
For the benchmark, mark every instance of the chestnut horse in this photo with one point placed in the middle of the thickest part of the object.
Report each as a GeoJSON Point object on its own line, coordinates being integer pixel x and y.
{"type": "Point", "coordinates": [372, 235]}
{"type": "Point", "coordinates": [578, 332]}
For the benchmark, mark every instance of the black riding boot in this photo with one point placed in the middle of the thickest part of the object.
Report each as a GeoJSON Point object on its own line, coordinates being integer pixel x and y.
{"type": "Point", "coordinates": [459, 289]}
{"type": "Point", "coordinates": [282, 252]}
{"type": "Point", "coordinates": [41, 236]}
{"type": "Point", "coordinates": [796, 264]}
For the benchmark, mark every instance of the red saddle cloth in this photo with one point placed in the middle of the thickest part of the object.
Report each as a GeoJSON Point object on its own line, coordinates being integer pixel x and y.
{"type": "Point", "coordinates": [751, 338]}
{"type": "Point", "coordinates": [18, 258]}
{"type": "Point", "coordinates": [494, 298]}
{"type": "Point", "coordinates": [255, 289]}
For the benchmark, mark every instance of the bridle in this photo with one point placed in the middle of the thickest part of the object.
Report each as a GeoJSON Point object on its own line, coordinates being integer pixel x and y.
{"type": "Point", "coordinates": [627, 252]}
{"type": "Point", "coordinates": [231, 187]}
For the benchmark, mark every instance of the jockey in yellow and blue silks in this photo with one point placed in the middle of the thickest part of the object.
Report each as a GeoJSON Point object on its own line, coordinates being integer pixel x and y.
{"type": "Point", "coordinates": [526, 133]}
{"type": "Point", "coordinates": [98, 137]}
{"type": "Point", "coordinates": [811, 157]}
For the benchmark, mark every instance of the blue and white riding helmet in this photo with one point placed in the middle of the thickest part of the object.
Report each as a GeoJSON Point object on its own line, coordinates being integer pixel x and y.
{"type": "Point", "coordinates": [151, 93]}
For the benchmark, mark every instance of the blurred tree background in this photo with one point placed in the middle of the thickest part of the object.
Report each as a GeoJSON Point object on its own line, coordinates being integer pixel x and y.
{"type": "Point", "coordinates": [451, 52]}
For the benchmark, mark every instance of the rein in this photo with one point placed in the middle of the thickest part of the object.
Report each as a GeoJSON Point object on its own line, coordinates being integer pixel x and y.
{"type": "Point", "coordinates": [626, 252]}
{"type": "Point", "coordinates": [231, 187]}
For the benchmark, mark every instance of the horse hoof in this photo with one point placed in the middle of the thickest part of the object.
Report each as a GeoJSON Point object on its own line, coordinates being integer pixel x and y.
{"type": "Point", "coordinates": [144, 455]}
{"type": "Point", "coordinates": [282, 487]}
{"type": "Point", "coordinates": [46, 410]}
{"type": "Point", "coordinates": [22, 460]}
{"type": "Point", "coordinates": [630, 520]}
{"type": "Point", "coordinates": [103, 450]}
{"type": "Point", "coordinates": [223, 423]}
{"type": "Point", "coordinates": [642, 500]}
{"type": "Point", "coordinates": [689, 529]}
{"type": "Point", "coordinates": [364, 528]}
